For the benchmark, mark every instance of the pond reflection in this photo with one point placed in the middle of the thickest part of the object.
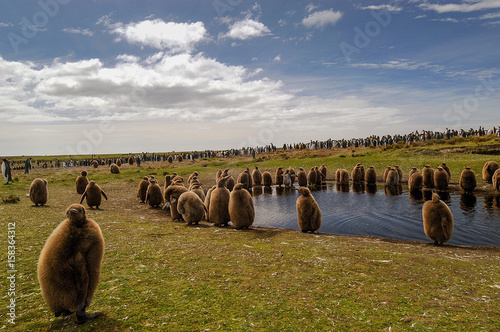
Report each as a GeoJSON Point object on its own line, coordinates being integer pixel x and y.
{"type": "Point", "coordinates": [383, 212]}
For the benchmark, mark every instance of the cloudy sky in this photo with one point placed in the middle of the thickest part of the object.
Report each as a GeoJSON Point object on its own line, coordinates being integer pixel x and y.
{"type": "Point", "coordinates": [159, 76]}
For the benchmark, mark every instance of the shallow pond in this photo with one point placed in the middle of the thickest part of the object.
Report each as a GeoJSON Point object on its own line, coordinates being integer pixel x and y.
{"type": "Point", "coordinates": [376, 212]}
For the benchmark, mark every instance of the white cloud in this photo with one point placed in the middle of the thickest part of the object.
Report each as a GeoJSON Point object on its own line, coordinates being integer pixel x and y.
{"type": "Point", "coordinates": [277, 58]}
{"type": "Point", "coordinates": [85, 32]}
{"type": "Point", "coordinates": [171, 36]}
{"type": "Point", "coordinates": [310, 7]}
{"type": "Point", "coordinates": [127, 58]}
{"type": "Point", "coordinates": [383, 7]}
{"type": "Point", "coordinates": [247, 29]}
{"type": "Point", "coordinates": [4, 25]}
{"type": "Point", "coordinates": [490, 16]}
{"type": "Point", "coordinates": [447, 19]}
{"type": "Point", "coordinates": [466, 6]}
{"type": "Point", "coordinates": [400, 65]}
{"type": "Point", "coordinates": [322, 18]}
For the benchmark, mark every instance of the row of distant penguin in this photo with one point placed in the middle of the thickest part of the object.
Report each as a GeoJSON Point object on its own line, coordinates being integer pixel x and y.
{"type": "Point", "coordinates": [70, 262]}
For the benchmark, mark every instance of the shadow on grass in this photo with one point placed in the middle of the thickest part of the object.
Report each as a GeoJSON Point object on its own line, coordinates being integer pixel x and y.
{"type": "Point", "coordinates": [68, 323]}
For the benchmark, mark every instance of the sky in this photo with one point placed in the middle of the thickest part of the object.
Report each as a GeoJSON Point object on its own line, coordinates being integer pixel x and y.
{"type": "Point", "coordinates": [84, 77]}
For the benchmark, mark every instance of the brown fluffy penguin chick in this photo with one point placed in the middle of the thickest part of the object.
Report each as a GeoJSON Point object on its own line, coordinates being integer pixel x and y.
{"type": "Point", "coordinates": [343, 176]}
{"type": "Point", "coordinates": [191, 207]}
{"type": "Point", "coordinates": [114, 169]}
{"type": "Point", "coordinates": [416, 182]}
{"type": "Point", "coordinates": [319, 177]}
{"type": "Point", "coordinates": [69, 266]}
{"type": "Point", "coordinates": [172, 195]}
{"type": "Point", "coordinates": [446, 168]}
{"type": "Point", "coordinates": [242, 178]}
{"type": "Point", "coordinates": [302, 177]}
{"type": "Point", "coordinates": [39, 192]}
{"type": "Point", "coordinates": [400, 173]}
{"type": "Point", "coordinates": [308, 212]}
{"type": "Point", "coordinates": [95, 163]}
{"type": "Point", "coordinates": [311, 177]}
{"type": "Point", "coordinates": [154, 197]}
{"type": "Point", "coordinates": [279, 176]}
{"type": "Point", "coordinates": [323, 170]}
{"type": "Point", "coordinates": [386, 171]}
{"type": "Point", "coordinates": [190, 178]}
{"type": "Point", "coordinates": [207, 199]}
{"type": "Point", "coordinates": [198, 190]}
{"type": "Point", "coordinates": [392, 179]}
{"type": "Point", "coordinates": [413, 170]}
{"type": "Point", "coordinates": [489, 169]}
{"type": "Point", "coordinates": [428, 174]}
{"type": "Point", "coordinates": [218, 211]}
{"type": "Point", "coordinates": [93, 195]}
{"type": "Point", "coordinates": [371, 175]}
{"type": "Point", "coordinates": [441, 179]}
{"type": "Point", "coordinates": [496, 180]}
{"type": "Point", "coordinates": [468, 180]}
{"type": "Point", "coordinates": [230, 183]}
{"type": "Point", "coordinates": [143, 189]}
{"type": "Point", "coordinates": [267, 179]}
{"type": "Point", "coordinates": [81, 182]}
{"type": "Point", "coordinates": [438, 220]}
{"type": "Point", "coordinates": [257, 176]}
{"type": "Point", "coordinates": [241, 209]}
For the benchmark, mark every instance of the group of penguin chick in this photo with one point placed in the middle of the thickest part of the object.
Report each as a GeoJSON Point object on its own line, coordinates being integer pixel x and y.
{"type": "Point", "coordinates": [70, 261]}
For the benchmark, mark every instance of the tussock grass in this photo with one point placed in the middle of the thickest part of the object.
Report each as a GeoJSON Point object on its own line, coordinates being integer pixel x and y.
{"type": "Point", "coordinates": [163, 275]}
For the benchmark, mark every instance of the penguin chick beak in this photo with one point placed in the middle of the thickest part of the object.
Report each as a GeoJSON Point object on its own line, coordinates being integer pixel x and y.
{"type": "Point", "coordinates": [73, 211]}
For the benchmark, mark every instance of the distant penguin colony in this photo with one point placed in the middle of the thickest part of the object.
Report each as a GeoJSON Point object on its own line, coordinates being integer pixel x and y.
{"type": "Point", "coordinates": [81, 182]}
{"type": "Point", "coordinates": [241, 209]}
{"type": "Point", "coordinates": [308, 211]}
{"type": "Point", "coordinates": [93, 195]}
{"type": "Point", "coordinates": [39, 192]}
{"type": "Point", "coordinates": [489, 169]}
{"type": "Point", "coordinates": [437, 220]}
{"type": "Point", "coordinates": [69, 266]}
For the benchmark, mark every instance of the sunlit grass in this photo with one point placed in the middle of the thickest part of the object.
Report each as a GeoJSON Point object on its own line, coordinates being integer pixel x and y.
{"type": "Point", "coordinates": [163, 275]}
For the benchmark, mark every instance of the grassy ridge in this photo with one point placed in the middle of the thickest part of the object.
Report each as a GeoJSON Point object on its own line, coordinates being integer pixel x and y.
{"type": "Point", "coordinates": [159, 274]}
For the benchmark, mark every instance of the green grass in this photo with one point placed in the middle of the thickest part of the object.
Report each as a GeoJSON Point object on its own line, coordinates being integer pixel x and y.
{"type": "Point", "coordinates": [163, 275]}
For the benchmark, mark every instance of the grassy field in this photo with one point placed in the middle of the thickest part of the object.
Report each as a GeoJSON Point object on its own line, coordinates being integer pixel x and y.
{"type": "Point", "coordinates": [164, 275]}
